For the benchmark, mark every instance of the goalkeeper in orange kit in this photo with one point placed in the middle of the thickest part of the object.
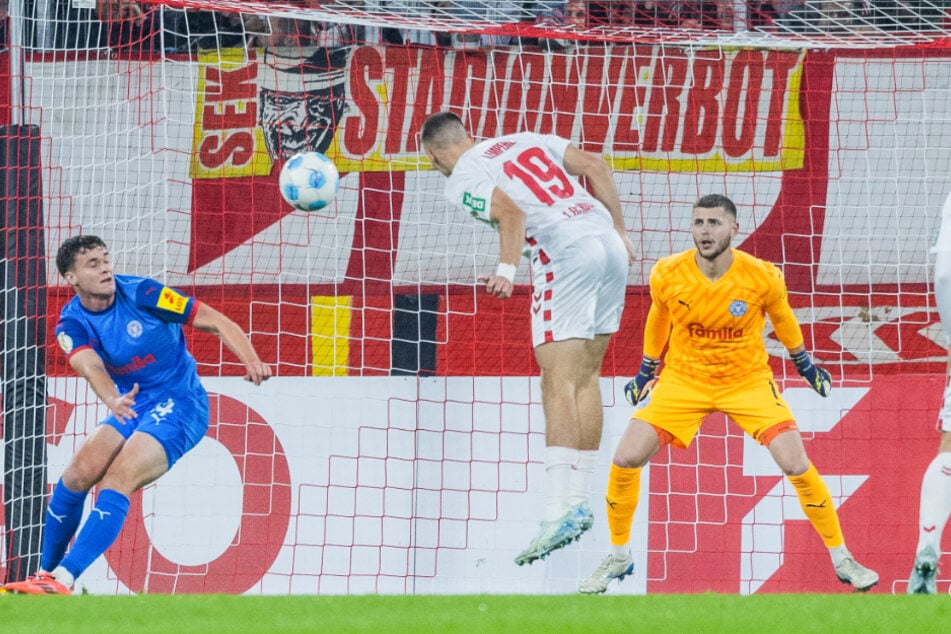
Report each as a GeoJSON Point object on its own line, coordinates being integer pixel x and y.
{"type": "Point", "coordinates": [709, 306]}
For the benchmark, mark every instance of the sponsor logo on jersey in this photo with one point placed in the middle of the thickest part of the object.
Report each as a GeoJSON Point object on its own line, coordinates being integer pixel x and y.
{"type": "Point", "coordinates": [725, 333]}
{"type": "Point", "coordinates": [738, 308]}
{"type": "Point", "coordinates": [137, 363]}
{"type": "Point", "coordinates": [172, 301]}
{"type": "Point", "coordinates": [65, 342]}
{"type": "Point", "coordinates": [134, 329]}
{"type": "Point", "coordinates": [476, 204]}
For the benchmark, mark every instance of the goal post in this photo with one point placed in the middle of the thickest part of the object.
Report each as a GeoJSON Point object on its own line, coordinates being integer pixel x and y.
{"type": "Point", "coordinates": [399, 446]}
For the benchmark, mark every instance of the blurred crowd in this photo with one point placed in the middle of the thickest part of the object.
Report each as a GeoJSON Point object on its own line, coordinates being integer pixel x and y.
{"type": "Point", "coordinates": [127, 26]}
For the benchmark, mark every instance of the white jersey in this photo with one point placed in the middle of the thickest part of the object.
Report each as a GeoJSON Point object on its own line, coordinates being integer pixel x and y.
{"type": "Point", "coordinates": [529, 168]}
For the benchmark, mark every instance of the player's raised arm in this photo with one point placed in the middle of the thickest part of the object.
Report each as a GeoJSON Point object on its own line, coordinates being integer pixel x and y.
{"type": "Point", "coordinates": [207, 319]}
{"type": "Point", "coordinates": [593, 167]}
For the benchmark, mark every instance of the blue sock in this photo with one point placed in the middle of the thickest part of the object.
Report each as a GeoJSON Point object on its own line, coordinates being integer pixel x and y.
{"type": "Point", "coordinates": [100, 530]}
{"type": "Point", "coordinates": [63, 514]}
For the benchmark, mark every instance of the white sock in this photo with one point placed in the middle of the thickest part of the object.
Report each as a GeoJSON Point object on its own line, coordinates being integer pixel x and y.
{"type": "Point", "coordinates": [839, 553]}
{"type": "Point", "coordinates": [935, 505]}
{"type": "Point", "coordinates": [64, 576]}
{"type": "Point", "coordinates": [581, 477]}
{"type": "Point", "coordinates": [559, 464]}
{"type": "Point", "coordinates": [620, 552]}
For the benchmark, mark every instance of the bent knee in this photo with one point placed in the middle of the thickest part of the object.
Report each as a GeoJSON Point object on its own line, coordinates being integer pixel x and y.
{"type": "Point", "coordinates": [639, 444]}
{"type": "Point", "coordinates": [80, 478]}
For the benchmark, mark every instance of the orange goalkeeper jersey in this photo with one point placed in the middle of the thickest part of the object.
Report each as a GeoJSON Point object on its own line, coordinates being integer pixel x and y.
{"type": "Point", "coordinates": [715, 329]}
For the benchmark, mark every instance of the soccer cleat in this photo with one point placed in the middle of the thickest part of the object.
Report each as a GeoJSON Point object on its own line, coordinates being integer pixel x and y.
{"type": "Point", "coordinates": [557, 534]}
{"type": "Point", "coordinates": [40, 583]}
{"type": "Point", "coordinates": [582, 515]}
{"type": "Point", "coordinates": [610, 568]}
{"type": "Point", "coordinates": [922, 580]}
{"type": "Point", "coordinates": [850, 571]}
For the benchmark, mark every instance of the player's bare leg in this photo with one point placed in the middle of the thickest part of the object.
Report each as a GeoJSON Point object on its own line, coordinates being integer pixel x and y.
{"type": "Point", "coordinates": [935, 497]}
{"type": "Point", "coordinates": [65, 508]}
{"type": "Point", "coordinates": [571, 399]}
{"type": "Point", "coordinates": [933, 513]}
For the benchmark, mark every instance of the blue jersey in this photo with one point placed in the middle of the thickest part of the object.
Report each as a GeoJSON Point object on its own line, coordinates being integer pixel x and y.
{"type": "Point", "coordinates": [139, 337]}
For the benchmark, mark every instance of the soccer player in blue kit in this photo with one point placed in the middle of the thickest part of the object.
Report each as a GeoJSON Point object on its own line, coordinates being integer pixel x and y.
{"type": "Point", "coordinates": [124, 335]}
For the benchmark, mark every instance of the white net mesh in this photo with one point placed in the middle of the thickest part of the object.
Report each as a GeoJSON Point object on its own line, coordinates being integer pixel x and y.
{"type": "Point", "coordinates": [399, 447]}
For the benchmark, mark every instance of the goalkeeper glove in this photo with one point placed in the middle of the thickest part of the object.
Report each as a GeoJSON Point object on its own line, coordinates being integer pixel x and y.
{"type": "Point", "coordinates": [818, 379]}
{"type": "Point", "coordinates": [638, 387]}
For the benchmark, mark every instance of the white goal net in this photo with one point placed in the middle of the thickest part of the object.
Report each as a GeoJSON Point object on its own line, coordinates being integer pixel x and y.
{"type": "Point", "coordinates": [398, 448]}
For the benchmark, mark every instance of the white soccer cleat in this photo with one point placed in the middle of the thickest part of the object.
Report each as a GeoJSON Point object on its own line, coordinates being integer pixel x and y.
{"type": "Point", "coordinates": [583, 517]}
{"type": "Point", "coordinates": [609, 569]}
{"type": "Point", "coordinates": [850, 571]}
{"type": "Point", "coordinates": [557, 534]}
{"type": "Point", "coordinates": [922, 580]}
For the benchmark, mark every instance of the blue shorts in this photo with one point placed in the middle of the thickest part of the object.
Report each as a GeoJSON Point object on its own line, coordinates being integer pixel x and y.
{"type": "Point", "coordinates": [177, 421]}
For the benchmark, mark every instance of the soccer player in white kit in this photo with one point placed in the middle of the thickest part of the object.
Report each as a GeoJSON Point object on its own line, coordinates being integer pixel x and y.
{"type": "Point", "coordinates": [527, 185]}
{"type": "Point", "coordinates": [935, 506]}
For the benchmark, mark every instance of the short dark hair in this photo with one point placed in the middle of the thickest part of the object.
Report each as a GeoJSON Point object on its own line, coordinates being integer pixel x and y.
{"type": "Point", "coordinates": [712, 201]}
{"type": "Point", "coordinates": [442, 128]}
{"type": "Point", "coordinates": [71, 247]}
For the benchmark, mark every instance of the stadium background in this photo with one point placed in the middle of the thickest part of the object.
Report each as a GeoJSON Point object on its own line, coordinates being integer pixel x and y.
{"type": "Point", "coordinates": [399, 448]}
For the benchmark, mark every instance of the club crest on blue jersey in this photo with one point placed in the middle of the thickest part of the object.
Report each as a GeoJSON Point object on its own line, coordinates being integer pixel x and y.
{"type": "Point", "coordinates": [737, 308]}
{"type": "Point", "coordinates": [134, 329]}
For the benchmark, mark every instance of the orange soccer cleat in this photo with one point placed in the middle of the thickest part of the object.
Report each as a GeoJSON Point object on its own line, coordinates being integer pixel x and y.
{"type": "Point", "coordinates": [40, 583]}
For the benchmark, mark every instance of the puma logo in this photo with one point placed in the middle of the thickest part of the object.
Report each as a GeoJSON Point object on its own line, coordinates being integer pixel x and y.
{"type": "Point", "coordinates": [820, 505]}
{"type": "Point", "coordinates": [102, 514]}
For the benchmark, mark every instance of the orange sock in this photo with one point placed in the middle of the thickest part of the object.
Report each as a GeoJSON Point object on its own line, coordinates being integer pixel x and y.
{"type": "Point", "coordinates": [816, 503]}
{"type": "Point", "coordinates": [624, 489]}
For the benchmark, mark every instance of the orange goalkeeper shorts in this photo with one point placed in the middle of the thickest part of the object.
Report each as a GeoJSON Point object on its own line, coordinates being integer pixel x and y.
{"type": "Point", "coordinates": [679, 406]}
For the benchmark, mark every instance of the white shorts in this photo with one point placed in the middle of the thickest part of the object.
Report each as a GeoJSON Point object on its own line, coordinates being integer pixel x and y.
{"type": "Point", "coordinates": [579, 293]}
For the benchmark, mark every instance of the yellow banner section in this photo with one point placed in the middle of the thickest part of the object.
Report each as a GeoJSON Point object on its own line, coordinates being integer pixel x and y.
{"type": "Point", "coordinates": [664, 109]}
{"type": "Point", "coordinates": [227, 140]}
{"type": "Point", "coordinates": [330, 335]}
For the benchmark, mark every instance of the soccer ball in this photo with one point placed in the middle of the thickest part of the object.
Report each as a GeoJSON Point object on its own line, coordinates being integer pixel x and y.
{"type": "Point", "coordinates": [309, 181]}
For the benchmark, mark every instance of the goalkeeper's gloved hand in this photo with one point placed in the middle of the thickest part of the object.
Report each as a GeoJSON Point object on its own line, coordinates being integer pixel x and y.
{"type": "Point", "coordinates": [638, 387]}
{"type": "Point", "coordinates": [818, 379]}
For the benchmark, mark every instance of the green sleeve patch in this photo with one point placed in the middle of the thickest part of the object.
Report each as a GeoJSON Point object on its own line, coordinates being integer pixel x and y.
{"type": "Point", "coordinates": [475, 204]}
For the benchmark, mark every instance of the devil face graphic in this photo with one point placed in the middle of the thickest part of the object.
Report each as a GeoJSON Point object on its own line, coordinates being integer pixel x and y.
{"type": "Point", "coordinates": [301, 101]}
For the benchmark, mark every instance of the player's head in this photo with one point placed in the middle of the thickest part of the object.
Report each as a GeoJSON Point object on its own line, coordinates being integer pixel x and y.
{"type": "Point", "coordinates": [84, 263]}
{"type": "Point", "coordinates": [712, 201]}
{"type": "Point", "coordinates": [72, 247]}
{"type": "Point", "coordinates": [713, 225]}
{"type": "Point", "coordinates": [444, 138]}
